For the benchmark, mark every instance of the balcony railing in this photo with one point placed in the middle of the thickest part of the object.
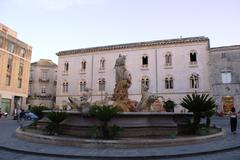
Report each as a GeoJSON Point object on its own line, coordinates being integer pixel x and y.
{"type": "Point", "coordinates": [43, 80]}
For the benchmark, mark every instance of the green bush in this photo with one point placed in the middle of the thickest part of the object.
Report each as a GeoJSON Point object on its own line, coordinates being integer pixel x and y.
{"type": "Point", "coordinates": [201, 106]}
{"type": "Point", "coordinates": [169, 106]}
{"type": "Point", "coordinates": [104, 113]}
{"type": "Point", "coordinates": [56, 117]}
{"type": "Point", "coordinates": [38, 111]}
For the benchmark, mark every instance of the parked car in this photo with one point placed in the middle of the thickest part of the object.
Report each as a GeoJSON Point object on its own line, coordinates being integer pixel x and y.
{"type": "Point", "coordinates": [29, 116]}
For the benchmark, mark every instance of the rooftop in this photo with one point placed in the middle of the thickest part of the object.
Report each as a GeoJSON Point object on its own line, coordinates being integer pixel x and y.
{"type": "Point", "coordinates": [134, 45]}
{"type": "Point", "coordinates": [225, 48]}
{"type": "Point", "coordinates": [44, 62]}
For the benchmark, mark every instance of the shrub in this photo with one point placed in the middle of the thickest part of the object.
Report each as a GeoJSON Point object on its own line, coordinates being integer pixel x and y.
{"type": "Point", "coordinates": [169, 106]}
{"type": "Point", "coordinates": [201, 106]}
{"type": "Point", "coordinates": [104, 113]}
{"type": "Point", "coordinates": [56, 117]}
{"type": "Point", "coordinates": [38, 111]}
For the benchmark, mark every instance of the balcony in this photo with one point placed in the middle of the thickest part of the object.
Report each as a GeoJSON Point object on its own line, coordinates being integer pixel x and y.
{"type": "Point", "coordinates": [44, 80]}
{"type": "Point", "coordinates": [41, 96]}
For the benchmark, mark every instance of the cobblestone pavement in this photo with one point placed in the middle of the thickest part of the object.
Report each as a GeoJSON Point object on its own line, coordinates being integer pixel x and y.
{"type": "Point", "coordinates": [7, 139]}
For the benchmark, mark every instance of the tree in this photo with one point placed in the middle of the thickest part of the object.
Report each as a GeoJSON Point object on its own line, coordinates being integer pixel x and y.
{"type": "Point", "coordinates": [200, 105]}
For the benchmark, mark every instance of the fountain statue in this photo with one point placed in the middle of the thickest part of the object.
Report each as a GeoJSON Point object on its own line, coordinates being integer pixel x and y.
{"type": "Point", "coordinates": [123, 81]}
{"type": "Point", "coordinates": [81, 105]}
{"type": "Point", "coordinates": [147, 99]}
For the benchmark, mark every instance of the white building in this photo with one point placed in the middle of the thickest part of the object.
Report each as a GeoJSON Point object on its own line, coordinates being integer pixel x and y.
{"type": "Point", "coordinates": [42, 83]}
{"type": "Point", "coordinates": [172, 68]}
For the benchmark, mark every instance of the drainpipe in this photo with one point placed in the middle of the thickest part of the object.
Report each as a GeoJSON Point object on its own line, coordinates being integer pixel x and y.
{"type": "Point", "coordinates": [156, 63]}
{"type": "Point", "coordinates": [92, 76]}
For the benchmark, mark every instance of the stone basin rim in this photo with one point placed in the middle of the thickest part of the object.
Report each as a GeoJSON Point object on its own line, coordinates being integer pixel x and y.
{"type": "Point", "coordinates": [116, 143]}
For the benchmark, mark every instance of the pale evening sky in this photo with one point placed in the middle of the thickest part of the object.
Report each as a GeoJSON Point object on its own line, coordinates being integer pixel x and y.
{"type": "Point", "coordinates": [50, 26]}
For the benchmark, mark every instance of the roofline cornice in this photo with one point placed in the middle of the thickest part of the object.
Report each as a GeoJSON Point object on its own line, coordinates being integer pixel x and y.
{"type": "Point", "coordinates": [134, 45]}
{"type": "Point", "coordinates": [225, 48]}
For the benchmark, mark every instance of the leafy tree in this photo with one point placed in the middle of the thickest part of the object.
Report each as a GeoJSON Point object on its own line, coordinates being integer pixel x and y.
{"type": "Point", "coordinates": [105, 113]}
{"type": "Point", "coordinates": [200, 105]}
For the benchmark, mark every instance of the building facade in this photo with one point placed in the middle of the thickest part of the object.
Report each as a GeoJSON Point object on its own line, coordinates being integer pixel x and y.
{"type": "Point", "coordinates": [171, 68]}
{"type": "Point", "coordinates": [15, 57]}
{"type": "Point", "coordinates": [42, 83]}
{"type": "Point", "coordinates": [225, 77]}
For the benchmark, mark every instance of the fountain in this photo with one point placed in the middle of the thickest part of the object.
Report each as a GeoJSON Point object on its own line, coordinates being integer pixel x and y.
{"type": "Point", "coordinates": [136, 119]}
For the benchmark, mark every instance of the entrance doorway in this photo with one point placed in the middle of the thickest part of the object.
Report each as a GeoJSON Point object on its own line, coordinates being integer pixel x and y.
{"type": "Point", "coordinates": [228, 103]}
{"type": "Point", "coordinates": [6, 105]}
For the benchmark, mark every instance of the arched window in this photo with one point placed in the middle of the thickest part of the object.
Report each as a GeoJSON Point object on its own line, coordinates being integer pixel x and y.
{"type": "Point", "coordinates": [83, 66]}
{"type": "Point", "coordinates": [168, 59]}
{"type": "Point", "coordinates": [66, 65]}
{"type": "Point", "coordinates": [144, 61]}
{"type": "Point", "coordinates": [169, 82]}
{"type": "Point", "coordinates": [193, 57]}
{"type": "Point", "coordinates": [194, 81]}
{"type": "Point", "coordinates": [102, 64]}
{"type": "Point", "coordinates": [83, 85]}
{"type": "Point", "coordinates": [145, 81]}
{"type": "Point", "coordinates": [65, 87]}
{"type": "Point", "coordinates": [101, 83]}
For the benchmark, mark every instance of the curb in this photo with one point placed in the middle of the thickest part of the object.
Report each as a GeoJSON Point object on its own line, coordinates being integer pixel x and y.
{"type": "Point", "coordinates": [122, 143]}
{"type": "Point", "coordinates": [100, 157]}
{"type": "Point", "coordinates": [117, 158]}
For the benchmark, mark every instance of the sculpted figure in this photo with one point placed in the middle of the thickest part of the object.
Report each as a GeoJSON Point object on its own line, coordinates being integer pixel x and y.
{"type": "Point", "coordinates": [82, 105]}
{"type": "Point", "coordinates": [147, 99]}
{"type": "Point", "coordinates": [121, 71]}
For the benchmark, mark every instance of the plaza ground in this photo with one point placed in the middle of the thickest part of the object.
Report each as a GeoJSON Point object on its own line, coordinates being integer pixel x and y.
{"type": "Point", "coordinates": [224, 148]}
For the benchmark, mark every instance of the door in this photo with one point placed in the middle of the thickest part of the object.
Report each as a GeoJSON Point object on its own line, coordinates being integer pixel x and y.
{"type": "Point", "coordinates": [6, 105]}
{"type": "Point", "coordinates": [228, 103]}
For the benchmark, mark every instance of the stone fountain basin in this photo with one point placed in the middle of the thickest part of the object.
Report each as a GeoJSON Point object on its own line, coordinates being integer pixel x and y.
{"type": "Point", "coordinates": [134, 124]}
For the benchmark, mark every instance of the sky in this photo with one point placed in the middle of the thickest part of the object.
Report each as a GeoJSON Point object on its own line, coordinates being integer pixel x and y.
{"type": "Point", "coordinates": [50, 26]}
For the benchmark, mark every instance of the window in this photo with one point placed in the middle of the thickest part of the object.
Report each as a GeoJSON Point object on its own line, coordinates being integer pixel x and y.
{"type": "Point", "coordinates": [66, 66]}
{"type": "Point", "coordinates": [65, 87]}
{"type": "Point", "coordinates": [11, 47]}
{"type": "Point", "coordinates": [144, 61]}
{"type": "Point", "coordinates": [194, 81]}
{"type": "Point", "coordinates": [168, 59]}
{"type": "Point", "coordinates": [44, 74]}
{"type": "Point", "coordinates": [19, 83]}
{"type": "Point", "coordinates": [102, 64]}
{"type": "Point", "coordinates": [20, 70]}
{"type": "Point", "coordinates": [22, 52]}
{"type": "Point", "coordinates": [9, 64]}
{"type": "Point", "coordinates": [101, 83]}
{"type": "Point", "coordinates": [193, 57]}
{"type": "Point", "coordinates": [226, 77]}
{"type": "Point", "coordinates": [8, 80]}
{"type": "Point", "coordinates": [43, 89]}
{"type": "Point", "coordinates": [31, 75]}
{"type": "Point", "coordinates": [83, 66]}
{"type": "Point", "coordinates": [169, 82]}
{"type": "Point", "coordinates": [1, 42]}
{"type": "Point", "coordinates": [145, 81]}
{"type": "Point", "coordinates": [82, 85]}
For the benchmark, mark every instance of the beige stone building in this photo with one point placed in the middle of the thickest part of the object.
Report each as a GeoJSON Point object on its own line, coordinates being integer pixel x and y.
{"type": "Point", "coordinates": [15, 57]}
{"type": "Point", "coordinates": [42, 83]}
{"type": "Point", "coordinates": [225, 77]}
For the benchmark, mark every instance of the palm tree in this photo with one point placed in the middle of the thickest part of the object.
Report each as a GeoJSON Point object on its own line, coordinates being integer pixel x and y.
{"type": "Point", "coordinates": [200, 105]}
